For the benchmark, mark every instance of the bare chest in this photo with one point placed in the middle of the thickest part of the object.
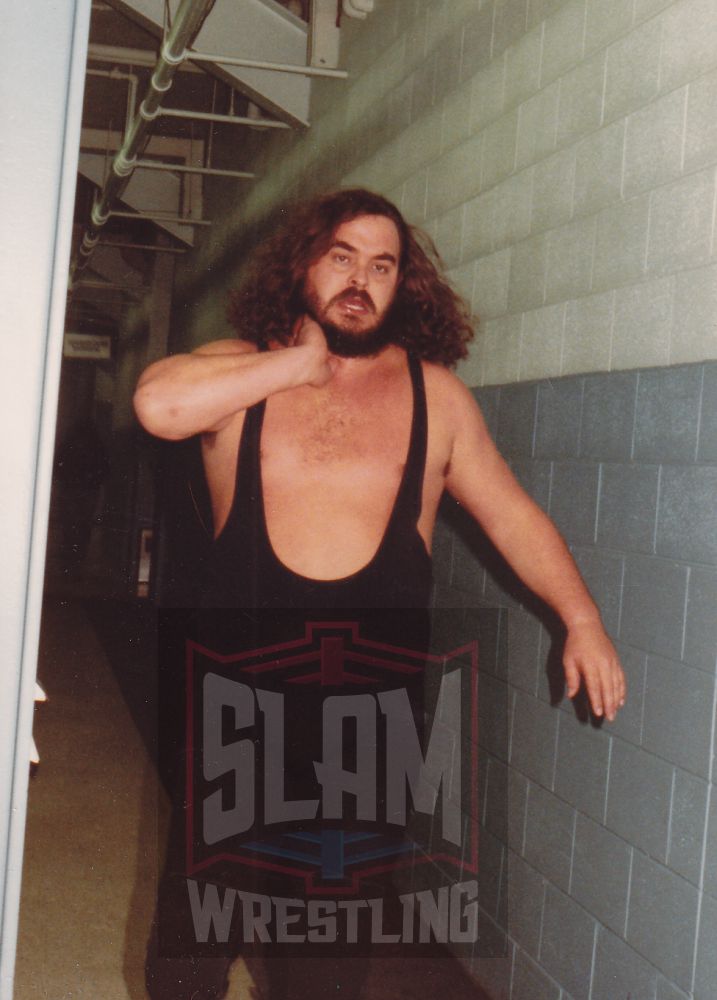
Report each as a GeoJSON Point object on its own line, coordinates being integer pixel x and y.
{"type": "Point", "coordinates": [334, 433]}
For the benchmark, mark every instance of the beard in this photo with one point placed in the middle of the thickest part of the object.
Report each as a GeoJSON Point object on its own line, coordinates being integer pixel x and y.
{"type": "Point", "coordinates": [351, 339]}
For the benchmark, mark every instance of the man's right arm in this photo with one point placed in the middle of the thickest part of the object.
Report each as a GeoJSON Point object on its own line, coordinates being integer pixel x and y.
{"type": "Point", "coordinates": [188, 394]}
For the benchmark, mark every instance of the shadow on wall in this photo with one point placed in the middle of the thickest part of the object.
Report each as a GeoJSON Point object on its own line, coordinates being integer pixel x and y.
{"type": "Point", "coordinates": [473, 539]}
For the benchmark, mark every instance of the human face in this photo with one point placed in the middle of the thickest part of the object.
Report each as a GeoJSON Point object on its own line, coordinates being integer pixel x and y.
{"type": "Point", "coordinates": [350, 288]}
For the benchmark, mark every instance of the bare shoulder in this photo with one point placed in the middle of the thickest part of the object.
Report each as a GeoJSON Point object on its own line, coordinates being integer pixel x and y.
{"type": "Point", "coordinates": [450, 401]}
{"type": "Point", "coordinates": [228, 346]}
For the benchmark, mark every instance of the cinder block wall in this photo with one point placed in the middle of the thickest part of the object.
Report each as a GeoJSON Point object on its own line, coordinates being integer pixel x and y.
{"type": "Point", "coordinates": [562, 153]}
{"type": "Point", "coordinates": [609, 855]}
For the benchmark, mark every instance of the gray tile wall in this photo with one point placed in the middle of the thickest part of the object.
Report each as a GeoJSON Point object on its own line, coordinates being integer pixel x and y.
{"type": "Point", "coordinates": [608, 852]}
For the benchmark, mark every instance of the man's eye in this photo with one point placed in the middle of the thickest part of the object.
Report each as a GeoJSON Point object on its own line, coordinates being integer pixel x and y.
{"type": "Point", "coordinates": [381, 268]}
{"type": "Point", "coordinates": [340, 258]}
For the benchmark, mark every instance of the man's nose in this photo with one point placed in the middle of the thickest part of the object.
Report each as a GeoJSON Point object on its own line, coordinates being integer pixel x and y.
{"type": "Point", "coordinates": [359, 276]}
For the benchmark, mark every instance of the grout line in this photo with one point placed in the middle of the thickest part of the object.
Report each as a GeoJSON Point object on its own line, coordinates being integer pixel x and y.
{"type": "Point", "coordinates": [644, 699]}
{"type": "Point", "coordinates": [542, 918]}
{"type": "Point", "coordinates": [628, 900]}
{"type": "Point", "coordinates": [461, 58]}
{"type": "Point", "coordinates": [657, 509]}
{"type": "Point", "coordinates": [597, 503]}
{"type": "Point", "coordinates": [714, 217]}
{"type": "Point", "coordinates": [703, 860]}
{"type": "Point", "coordinates": [607, 782]}
{"type": "Point", "coordinates": [700, 405]}
{"type": "Point", "coordinates": [492, 33]}
{"type": "Point", "coordinates": [554, 776]}
{"type": "Point", "coordinates": [648, 232]}
{"type": "Point", "coordinates": [512, 970]}
{"type": "Point", "coordinates": [541, 62]}
{"type": "Point", "coordinates": [503, 882]}
{"type": "Point", "coordinates": [611, 350]}
{"type": "Point", "coordinates": [683, 642]}
{"type": "Point", "coordinates": [660, 57]}
{"type": "Point", "coordinates": [572, 852]}
{"type": "Point", "coordinates": [623, 159]}
{"type": "Point", "coordinates": [621, 594]}
{"type": "Point", "coordinates": [684, 127]}
{"type": "Point", "coordinates": [593, 958]}
{"type": "Point", "coordinates": [593, 249]}
{"type": "Point", "coordinates": [669, 817]}
{"type": "Point", "coordinates": [511, 726]}
{"type": "Point", "coordinates": [634, 417]}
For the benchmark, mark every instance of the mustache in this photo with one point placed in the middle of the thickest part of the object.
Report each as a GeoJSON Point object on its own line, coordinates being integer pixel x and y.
{"type": "Point", "coordinates": [353, 293]}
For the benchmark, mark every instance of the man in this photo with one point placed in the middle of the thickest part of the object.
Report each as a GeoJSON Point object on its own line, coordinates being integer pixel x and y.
{"type": "Point", "coordinates": [332, 428]}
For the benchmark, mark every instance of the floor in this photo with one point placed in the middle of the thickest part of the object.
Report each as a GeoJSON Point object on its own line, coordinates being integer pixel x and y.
{"type": "Point", "coordinates": [96, 815]}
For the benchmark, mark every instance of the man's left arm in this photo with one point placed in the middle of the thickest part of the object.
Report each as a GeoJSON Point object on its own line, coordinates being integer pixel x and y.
{"type": "Point", "coordinates": [481, 481]}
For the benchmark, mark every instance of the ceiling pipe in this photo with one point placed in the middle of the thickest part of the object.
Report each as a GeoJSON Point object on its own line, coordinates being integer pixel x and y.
{"type": "Point", "coordinates": [144, 57]}
{"type": "Point", "coordinates": [187, 22]}
{"type": "Point", "coordinates": [153, 247]}
{"type": "Point", "coordinates": [120, 56]}
{"type": "Point", "coordinates": [183, 168]}
{"type": "Point", "coordinates": [207, 116]}
{"type": "Point", "coordinates": [199, 57]}
{"type": "Point", "coordinates": [181, 220]}
{"type": "Point", "coordinates": [188, 168]}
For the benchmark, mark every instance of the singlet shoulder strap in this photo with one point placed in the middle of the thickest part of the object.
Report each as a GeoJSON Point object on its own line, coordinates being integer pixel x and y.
{"type": "Point", "coordinates": [248, 483]}
{"type": "Point", "coordinates": [410, 498]}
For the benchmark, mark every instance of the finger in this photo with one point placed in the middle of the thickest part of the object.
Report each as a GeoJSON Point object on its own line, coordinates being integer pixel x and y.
{"type": "Point", "coordinates": [608, 691]}
{"type": "Point", "coordinates": [572, 679]}
{"type": "Point", "coordinates": [617, 686]}
{"type": "Point", "coordinates": [613, 686]}
{"type": "Point", "coordinates": [618, 683]}
{"type": "Point", "coordinates": [614, 683]}
{"type": "Point", "coordinates": [595, 692]}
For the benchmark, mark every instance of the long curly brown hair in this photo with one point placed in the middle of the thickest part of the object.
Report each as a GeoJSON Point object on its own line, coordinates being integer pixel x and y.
{"type": "Point", "coordinates": [428, 317]}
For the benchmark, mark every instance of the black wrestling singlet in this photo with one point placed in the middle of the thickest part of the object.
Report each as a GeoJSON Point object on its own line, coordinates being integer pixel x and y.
{"type": "Point", "coordinates": [244, 571]}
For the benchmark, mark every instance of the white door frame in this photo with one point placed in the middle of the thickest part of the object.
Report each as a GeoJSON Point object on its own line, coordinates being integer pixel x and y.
{"type": "Point", "coordinates": [44, 51]}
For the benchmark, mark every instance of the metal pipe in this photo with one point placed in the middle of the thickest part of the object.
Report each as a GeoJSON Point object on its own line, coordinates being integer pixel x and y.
{"type": "Point", "coordinates": [181, 168]}
{"type": "Point", "coordinates": [199, 57]}
{"type": "Point", "coordinates": [143, 57]}
{"type": "Point", "coordinates": [208, 116]}
{"type": "Point", "coordinates": [120, 56]}
{"type": "Point", "coordinates": [188, 20]}
{"type": "Point", "coordinates": [160, 217]}
{"type": "Point", "coordinates": [142, 246]}
{"type": "Point", "coordinates": [111, 286]}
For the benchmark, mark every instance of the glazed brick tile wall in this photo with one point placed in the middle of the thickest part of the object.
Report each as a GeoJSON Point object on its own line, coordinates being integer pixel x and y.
{"type": "Point", "coordinates": [562, 154]}
{"type": "Point", "coordinates": [607, 858]}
